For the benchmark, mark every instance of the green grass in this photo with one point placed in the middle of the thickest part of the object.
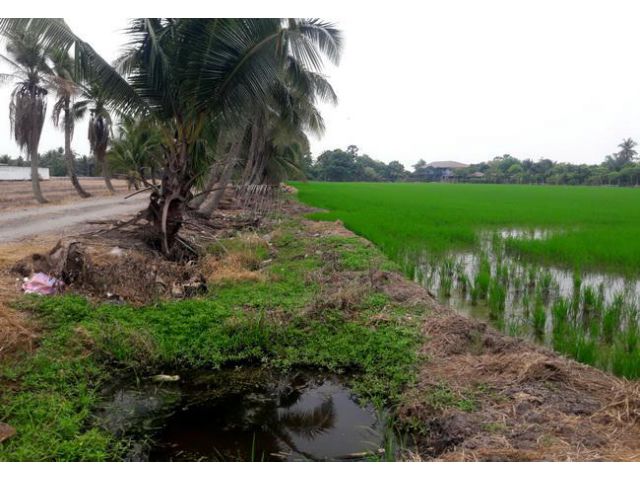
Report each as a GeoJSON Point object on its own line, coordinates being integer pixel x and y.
{"type": "Point", "coordinates": [50, 396]}
{"type": "Point", "coordinates": [595, 228]}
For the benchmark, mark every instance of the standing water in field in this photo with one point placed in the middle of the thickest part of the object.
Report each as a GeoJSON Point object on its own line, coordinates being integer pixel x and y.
{"type": "Point", "coordinates": [245, 414]}
{"type": "Point", "coordinates": [591, 317]}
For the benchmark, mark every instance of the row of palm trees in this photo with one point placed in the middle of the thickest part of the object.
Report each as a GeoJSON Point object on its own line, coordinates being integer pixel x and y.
{"type": "Point", "coordinates": [37, 69]}
{"type": "Point", "coordinates": [209, 100]}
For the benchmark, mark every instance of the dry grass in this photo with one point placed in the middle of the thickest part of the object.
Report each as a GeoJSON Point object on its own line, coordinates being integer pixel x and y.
{"type": "Point", "coordinates": [16, 332]}
{"type": "Point", "coordinates": [240, 262]}
{"type": "Point", "coordinates": [523, 402]}
{"type": "Point", "coordinates": [325, 229]}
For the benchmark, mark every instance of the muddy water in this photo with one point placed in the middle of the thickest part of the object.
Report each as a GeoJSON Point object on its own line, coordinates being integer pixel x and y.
{"type": "Point", "coordinates": [452, 280]}
{"type": "Point", "coordinates": [243, 414]}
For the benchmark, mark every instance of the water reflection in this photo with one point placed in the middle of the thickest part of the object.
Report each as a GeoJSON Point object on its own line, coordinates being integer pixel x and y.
{"type": "Point", "coordinates": [592, 316]}
{"type": "Point", "coordinates": [247, 414]}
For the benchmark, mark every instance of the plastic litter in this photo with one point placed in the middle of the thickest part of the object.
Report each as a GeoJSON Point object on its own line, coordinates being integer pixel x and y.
{"type": "Point", "coordinates": [165, 378]}
{"type": "Point", "coordinates": [6, 431]}
{"type": "Point", "coordinates": [42, 284]}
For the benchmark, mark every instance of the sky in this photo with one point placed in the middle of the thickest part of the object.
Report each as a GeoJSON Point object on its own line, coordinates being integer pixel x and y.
{"type": "Point", "coordinates": [459, 80]}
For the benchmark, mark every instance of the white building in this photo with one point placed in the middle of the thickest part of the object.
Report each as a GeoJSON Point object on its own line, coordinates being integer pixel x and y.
{"type": "Point", "coordinates": [8, 172]}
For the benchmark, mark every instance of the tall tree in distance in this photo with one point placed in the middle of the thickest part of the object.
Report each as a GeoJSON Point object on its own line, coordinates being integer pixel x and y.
{"type": "Point", "coordinates": [27, 108]}
{"type": "Point", "coordinates": [627, 153]}
{"type": "Point", "coordinates": [99, 129]}
{"type": "Point", "coordinates": [66, 111]}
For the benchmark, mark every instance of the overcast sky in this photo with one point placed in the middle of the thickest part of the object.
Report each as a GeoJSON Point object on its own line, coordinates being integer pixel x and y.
{"type": "Point", "coordinates": [462, 81]}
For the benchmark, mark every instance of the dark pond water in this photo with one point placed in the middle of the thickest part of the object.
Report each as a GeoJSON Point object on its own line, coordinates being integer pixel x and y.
{"type": "Point", "coordinates": [243, 414]}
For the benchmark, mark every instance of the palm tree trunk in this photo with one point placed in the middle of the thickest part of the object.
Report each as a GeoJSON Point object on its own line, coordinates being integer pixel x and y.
{"type": "Point", "coordinates": [212, 179]}
{"type": "Point", "coordinates": [35, 179]}
{"type": "Point", "coordinates": [106, 170]}
{"type": "Point", "coordinates": [166, 206]}
{"type": "Point", "coordinates": [215, 171]}
{"type": "Point", "coordinates": [68, 156]}
{"type": "Point", "coordinates": [213, 200]}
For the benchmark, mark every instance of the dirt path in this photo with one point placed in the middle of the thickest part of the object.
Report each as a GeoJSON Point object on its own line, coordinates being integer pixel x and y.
{"type": "Point", "coordinates": [58, 190]}
{"type": "Point", "coordinates": [61, 219]}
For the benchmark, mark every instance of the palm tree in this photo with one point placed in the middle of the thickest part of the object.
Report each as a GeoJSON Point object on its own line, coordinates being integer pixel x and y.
{"type": "Point", "coordinates": [137, 147]}
{"type": "Point", "coordinates": [627, 152]}
{"type": "Point", "coordinates": [188, 74]}
{"type": "Point", "coordinates": [192, 71]}
{"type": "Point", "coordinates": [67, 108]}
{"type": "Point", "coordinates": [99, 128]}
{"type": "Point", "coordinates": [278, 129]}
{"type": "Point", "coordinates": [282, 133]}
{"type": "Point", "coordinates": [28, 105]}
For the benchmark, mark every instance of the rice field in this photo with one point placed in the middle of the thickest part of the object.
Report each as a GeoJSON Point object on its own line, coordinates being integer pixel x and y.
{"type": "Point", "coordinates": [560, 265]}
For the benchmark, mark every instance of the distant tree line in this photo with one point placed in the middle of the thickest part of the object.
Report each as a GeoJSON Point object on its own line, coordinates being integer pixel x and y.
{"type": "Point", "coordinates": [54, 160]}
{"type": "Point", "coordinates": [350, 166]}
{"type": "Point", "coordinates": [621, 168]}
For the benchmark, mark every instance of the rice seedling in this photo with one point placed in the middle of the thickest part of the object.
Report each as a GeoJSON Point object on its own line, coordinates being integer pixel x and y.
{"type": "Point", "coordinates": [575, 296]}
{"type": "Point", "coordinates": [446, 274]}
{"type": "Point", "coordinates": [539, 319]}
{"type": "Point", "coordinates": [502, 273]}
{"type": "Point", "coordinates": [590, 303]}
{"type": "Point", "coordinates": [497, 298]}
{"type": "Point", "coordinates": [612, 319]}
{"type": "Point", "coordinates": [464, 283]}
{"type": "Point", "coordinates": [483, 278]}
{"type": "Point", "coordinates": [532, 275]}
{"type": "Point", "coordinates": [625, 355]}
{"type": "Point", "coordinates": [560, 316]}
{"type": "Point", "coordinates": [545, 280]}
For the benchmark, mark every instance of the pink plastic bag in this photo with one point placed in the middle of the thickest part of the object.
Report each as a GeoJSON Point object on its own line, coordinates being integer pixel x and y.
{"type": "Point", "coordinates": [42, 284]}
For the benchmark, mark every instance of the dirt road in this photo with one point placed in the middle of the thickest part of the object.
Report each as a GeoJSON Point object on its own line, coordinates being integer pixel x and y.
{"type": "Point", "coordinates": [62, 219]}
{"type": "Point", "coordinates": [14, 195]}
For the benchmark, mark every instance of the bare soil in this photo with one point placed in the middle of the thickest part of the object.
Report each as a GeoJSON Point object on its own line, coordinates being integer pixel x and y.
{"type": "Point", "coordinates": [18, 194]}
{"type": "Point", "coordinates": [65, 218]}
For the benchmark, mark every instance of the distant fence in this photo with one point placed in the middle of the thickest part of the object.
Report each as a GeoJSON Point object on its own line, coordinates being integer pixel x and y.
{"type": "Point", "coordinates": [21, 173]}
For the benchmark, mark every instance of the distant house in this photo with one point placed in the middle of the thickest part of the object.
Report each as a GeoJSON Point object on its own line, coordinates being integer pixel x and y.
{"type": "Point", "coordinates": [477, 175]}
{"type": "Point", "coordinates": [8, 172]}
{"type": "Point", "coordinates": [445, 171]}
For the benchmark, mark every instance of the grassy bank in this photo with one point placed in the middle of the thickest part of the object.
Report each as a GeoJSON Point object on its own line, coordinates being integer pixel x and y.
{"type": "Point", "coordinates": [596, 228]}
{"type": "Point", "coordinates": [277, 304]}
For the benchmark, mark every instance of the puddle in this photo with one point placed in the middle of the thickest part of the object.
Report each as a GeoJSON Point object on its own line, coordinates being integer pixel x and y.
{"type": "Point", "coordinates": [245, 414]}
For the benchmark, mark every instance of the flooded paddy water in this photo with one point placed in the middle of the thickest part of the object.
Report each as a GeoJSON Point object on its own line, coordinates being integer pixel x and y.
{"type": "Point", "coordinates": [244, 414]}
{"type": "Point", "coordinates": [590, 316]}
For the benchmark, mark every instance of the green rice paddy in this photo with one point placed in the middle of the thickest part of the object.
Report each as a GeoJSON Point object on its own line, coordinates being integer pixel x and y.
{"type": "Point", "coordinates": [598, 228]}
{"type": "Point", "coordinates": [557, 264]}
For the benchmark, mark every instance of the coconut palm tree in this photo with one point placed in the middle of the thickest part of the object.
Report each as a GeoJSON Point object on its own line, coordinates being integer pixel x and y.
{"type": "Point", "coordinates": [282, 127]}
{"type": "Point", "coordinates": [193, 71]}
{"type": "Point", "coordinates": [278, 129]}
{"type": "Point", "coordinates": [99, 131]}
{"type": "Point", "coordinates": [67, 109]}
{"type": "Point", "coordinates": [188, 74]}
{"type": "Point", "coordinates": [627, 152]}
{"type": "Point", "coordinates": [28, 57]}
{"type": "Point", "coordinates": [137, 147]}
